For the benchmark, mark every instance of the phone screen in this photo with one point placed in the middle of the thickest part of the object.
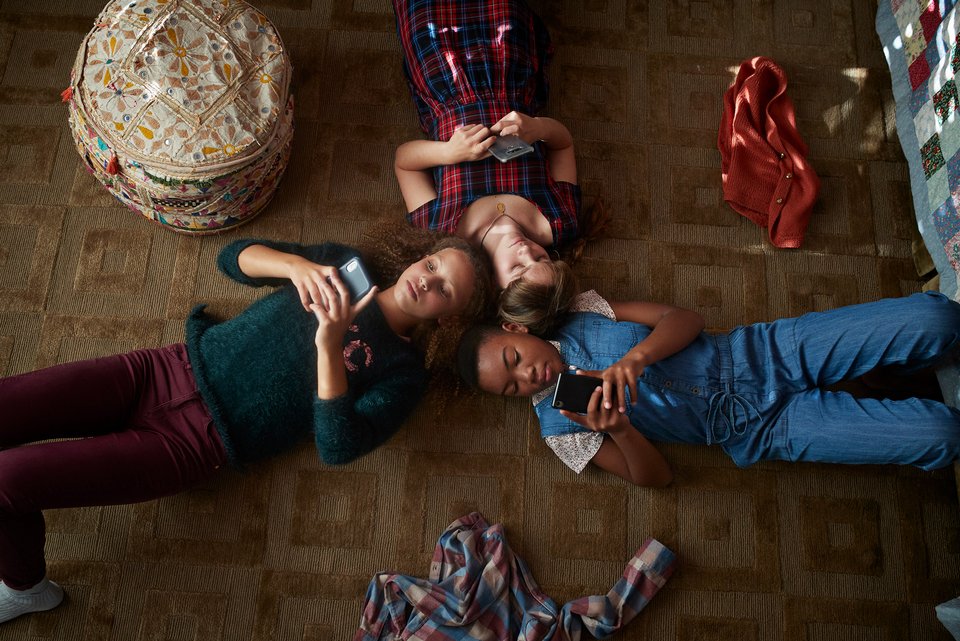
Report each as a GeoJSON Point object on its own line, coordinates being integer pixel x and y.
{"type": "Point", "coordinates": [573, 391]}
{"type": "Point", "coordinates": [505, 148]}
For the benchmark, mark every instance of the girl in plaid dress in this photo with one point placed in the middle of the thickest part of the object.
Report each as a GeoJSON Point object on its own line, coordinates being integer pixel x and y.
{"type": "Point", "coordinates": [476, 71]}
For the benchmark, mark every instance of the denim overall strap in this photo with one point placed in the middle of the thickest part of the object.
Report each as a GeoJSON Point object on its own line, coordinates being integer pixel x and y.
{"type": "Point", "coordinates": [727, 408]}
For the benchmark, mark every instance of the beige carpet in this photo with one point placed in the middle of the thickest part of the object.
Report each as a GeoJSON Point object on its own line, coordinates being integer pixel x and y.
{"type": "Point", "coordinates": [777, 551]}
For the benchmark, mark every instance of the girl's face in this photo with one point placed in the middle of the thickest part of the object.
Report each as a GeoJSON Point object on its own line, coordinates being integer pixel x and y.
{"type": "Point", "coordinates": [517, 364]}
{"type": "Point", "coordinates": [516, 256]}
{"type": "Point", "coordinates": [436, 286]}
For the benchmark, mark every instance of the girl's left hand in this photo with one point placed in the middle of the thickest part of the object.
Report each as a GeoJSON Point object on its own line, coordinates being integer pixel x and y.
{"type": "Point", "coordinates": [622, 374]}
{"type": "Point", "coordinates": [516, 123]}
{"type": "Point", "coordinates": [469, 143]}
{"type": "Point", "coordinates": [336, 313]}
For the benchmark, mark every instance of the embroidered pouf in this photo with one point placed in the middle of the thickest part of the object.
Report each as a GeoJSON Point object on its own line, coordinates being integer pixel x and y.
{"type": "Point", "coordinates": [182, 109]}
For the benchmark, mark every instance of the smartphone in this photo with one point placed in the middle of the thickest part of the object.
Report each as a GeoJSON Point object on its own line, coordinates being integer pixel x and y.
{"type": "Point", "coordinates": [573, 391]}
{"type": "Point", "coordinates": [354, 275]}
{"type": "Point", "coordinates": [506, 148]}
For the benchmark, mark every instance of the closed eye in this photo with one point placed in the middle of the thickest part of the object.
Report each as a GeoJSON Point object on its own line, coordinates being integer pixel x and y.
{"type": "Point", "coordinates": [510, 388]}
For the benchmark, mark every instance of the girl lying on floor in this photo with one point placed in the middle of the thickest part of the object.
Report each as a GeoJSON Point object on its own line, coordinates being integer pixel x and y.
{"type": "Point", "coordinates": [302, 360]}
{"type": "Point", "coordinates": [757, 391]}
{"type": "Point", "coordinates": [477, 73]}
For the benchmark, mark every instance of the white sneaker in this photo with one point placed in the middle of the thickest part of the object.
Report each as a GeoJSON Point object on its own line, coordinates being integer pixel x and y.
{"type": "Point", "coordinates": [45, 595]}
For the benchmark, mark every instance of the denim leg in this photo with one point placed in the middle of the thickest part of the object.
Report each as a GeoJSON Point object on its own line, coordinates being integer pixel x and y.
{"type": "Point", "coordinates": [828, 347]}
{"type": "Point", "coordinates": [836, 427]}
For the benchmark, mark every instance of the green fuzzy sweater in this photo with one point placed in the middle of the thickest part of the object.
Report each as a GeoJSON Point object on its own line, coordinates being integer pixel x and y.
{"type": "Point", "coordinates": [257, 372]}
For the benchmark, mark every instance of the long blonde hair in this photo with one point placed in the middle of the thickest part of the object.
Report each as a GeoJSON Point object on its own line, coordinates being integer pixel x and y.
{"type": "Point", "coordinates": [536, 306]}
{"type": "Point", "coordinates": [540, 308]}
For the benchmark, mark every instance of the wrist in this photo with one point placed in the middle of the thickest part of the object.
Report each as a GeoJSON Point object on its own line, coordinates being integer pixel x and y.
{"type": "Point", "coordinates": [553, 133]}
{"type": "Point", "coordinates": [330, 385]}
{"type": "Point", "coordinates": [290, 262]}
{"type": "Point", "coordinates": [328, 345]}
{"type": "Point", "coordinates": [539, 130]}
{"type": "Point", "coordinates": [620, 428]}
{"type": "Point", "coordinates": [639, 357]}
{"type": "Point", "coordinates": [447, 153]}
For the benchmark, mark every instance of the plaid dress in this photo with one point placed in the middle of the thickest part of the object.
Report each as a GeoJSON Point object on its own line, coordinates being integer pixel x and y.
{"type": "Point", "coordinates": [474, 61]}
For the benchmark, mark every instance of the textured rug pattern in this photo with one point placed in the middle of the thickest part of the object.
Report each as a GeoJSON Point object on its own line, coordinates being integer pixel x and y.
{"type": "Point", "coordinates": [285, 551]}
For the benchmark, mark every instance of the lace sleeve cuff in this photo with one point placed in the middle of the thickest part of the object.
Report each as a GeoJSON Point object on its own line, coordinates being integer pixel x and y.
{"type": "Point", "coordinates": [575, 450]}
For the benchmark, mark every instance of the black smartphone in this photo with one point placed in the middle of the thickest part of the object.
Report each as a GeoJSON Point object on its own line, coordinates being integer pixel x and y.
{"type": "Point", "coordinates": [354, 275]}
{"type": "Point", "coordinates": [573, 391]}
{"type": "Point", "coordinates": [506, 148]}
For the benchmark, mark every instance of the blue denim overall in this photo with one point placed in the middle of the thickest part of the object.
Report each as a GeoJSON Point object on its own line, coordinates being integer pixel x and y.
{"type": "Point", "coordinates": [757, 390]}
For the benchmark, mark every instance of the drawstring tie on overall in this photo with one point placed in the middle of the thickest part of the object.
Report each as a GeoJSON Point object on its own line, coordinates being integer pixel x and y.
{"type": "Point", "coordinates": [722, 420]}
{"type": "Point", "coordinates": [729, 413]}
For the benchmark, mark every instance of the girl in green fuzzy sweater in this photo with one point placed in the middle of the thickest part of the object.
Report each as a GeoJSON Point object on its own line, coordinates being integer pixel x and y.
{"type": "Point", "coordinates": [302, 360]}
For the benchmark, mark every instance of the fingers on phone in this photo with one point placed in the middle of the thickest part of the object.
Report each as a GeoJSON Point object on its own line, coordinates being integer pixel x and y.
{"type": "Point", "coordinates": [607, 389]}
{"type": "Point", "coordinates": [632, 386]}
{"type": "Point", "coordinates": [483, 139]}
{"type": "Point", "coordinates": [621, 395]}
{"type": "Point", "coordinates": [306, 297]}
{"type": "Point", "coordinates": [510, 118]}
{"type": "Point", "coordinates": [328, 293]}
{"type": "Point", "coordinates": [341, 289]}
{"type": "Point", "coordinates": [473, 131]}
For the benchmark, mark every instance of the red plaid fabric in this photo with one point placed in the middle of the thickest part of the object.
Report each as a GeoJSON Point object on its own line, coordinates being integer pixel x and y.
{"type": "Point", "coordinates": [474, 61]}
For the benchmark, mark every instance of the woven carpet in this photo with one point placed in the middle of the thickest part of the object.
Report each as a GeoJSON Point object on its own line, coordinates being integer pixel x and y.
{"type": "Point", "coordinates": [285, 550]}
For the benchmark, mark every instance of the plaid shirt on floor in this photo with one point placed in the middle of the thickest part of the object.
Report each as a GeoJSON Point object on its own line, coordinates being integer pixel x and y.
{"type": "Point", "coordinates": [470, 62]}
{"type": "Point", "coordinates": [478, 589]}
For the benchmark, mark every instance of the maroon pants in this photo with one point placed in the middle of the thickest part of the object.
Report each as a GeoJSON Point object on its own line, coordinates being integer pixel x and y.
{"type": "Point", "coordinates": [138, 428]}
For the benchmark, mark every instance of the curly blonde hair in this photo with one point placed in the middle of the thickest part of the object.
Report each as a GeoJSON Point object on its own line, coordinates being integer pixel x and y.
{"type": "Point", "coordinates": [390, 247]}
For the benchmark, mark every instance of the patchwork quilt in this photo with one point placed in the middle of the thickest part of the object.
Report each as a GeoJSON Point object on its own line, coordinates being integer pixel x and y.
{"type": "Point", "coordinates": [921, 42]}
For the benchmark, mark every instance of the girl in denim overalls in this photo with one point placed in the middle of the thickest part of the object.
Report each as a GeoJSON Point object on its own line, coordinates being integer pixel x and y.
{"type": "Point", "coordinates": [757, 391]}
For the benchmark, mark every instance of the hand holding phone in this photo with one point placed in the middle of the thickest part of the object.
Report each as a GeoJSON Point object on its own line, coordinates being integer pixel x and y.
{"type": "Point", "coordinates": [581, 402]}
{"type": "Point", "coordinates": [340, 297]}
{"type": "Point", "coordinates": [573, 391]}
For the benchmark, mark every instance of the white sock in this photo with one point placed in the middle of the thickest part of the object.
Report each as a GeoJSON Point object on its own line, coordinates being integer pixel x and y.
{"type": "Point", "coordinates": [45, 595]}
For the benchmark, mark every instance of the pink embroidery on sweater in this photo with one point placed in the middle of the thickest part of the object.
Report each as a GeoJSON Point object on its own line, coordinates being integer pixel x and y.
{"type": "Point", "coordinates": [352, 347]}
